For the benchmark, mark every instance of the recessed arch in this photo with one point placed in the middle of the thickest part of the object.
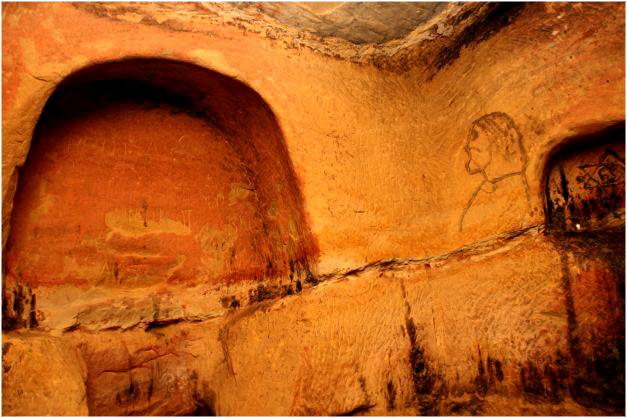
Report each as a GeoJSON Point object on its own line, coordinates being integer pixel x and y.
{"type": "Point", "coordinates": [584, 181]}
{"type": "Point", "coordinates": [150, 170]}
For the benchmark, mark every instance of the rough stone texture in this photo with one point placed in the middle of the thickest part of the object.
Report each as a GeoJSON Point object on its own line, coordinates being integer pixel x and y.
{"type": "Point", "coordinates": [42, 376]}
{"type": "Point", "coordinates": [396, 37]}
{"type": "Point", "coordinates": [355, 22]}
{"type": "Point", "coordinates": [585, 187]}
{"type": "Point", "coordinates": [394, 255]}
{"type": "Point", "coordinates": [173, 210]}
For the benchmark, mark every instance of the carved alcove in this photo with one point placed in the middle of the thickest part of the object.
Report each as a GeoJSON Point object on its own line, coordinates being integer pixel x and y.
{"type": "Point", "coordinates": [585, 182]}
{"type": "Point", "coordinates": [149, 171]}
{"type": "Point", "coordinates": [585, 216]}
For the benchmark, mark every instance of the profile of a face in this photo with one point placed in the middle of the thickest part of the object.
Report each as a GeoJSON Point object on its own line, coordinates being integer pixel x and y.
{"type": "Point", "coordinates": [494, 147]}
{"type": "Point", "coordinates": [479, 150]}
{"type": "Point", "coordinates": [495, 151]}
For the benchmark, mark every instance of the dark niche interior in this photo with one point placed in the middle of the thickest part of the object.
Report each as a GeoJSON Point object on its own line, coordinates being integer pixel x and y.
{"type": "Point", "coordinates": [585, 182]}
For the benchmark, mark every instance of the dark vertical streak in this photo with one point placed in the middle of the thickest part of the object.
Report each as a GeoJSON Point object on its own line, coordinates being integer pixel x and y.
{"type": "Point", "coordinates": [573, 340]}
{"type": "Point", "coordinates": [564, 183]}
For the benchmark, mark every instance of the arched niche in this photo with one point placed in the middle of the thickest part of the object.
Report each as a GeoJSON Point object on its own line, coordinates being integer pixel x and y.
{"type": "Point", "coordinates": [146, 171]}
{"type": "Point", "coordinates": [585, 182]}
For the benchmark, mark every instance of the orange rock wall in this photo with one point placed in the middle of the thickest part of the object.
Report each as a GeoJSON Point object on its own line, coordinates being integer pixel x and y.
{"type": "Point", "coordinates": [334, 114]}
{"type": "Point", "coordinates": [415, 207]}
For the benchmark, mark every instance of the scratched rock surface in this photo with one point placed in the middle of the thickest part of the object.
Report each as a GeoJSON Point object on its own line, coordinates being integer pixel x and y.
{"type": "Point", "coordinates": [219, 209]}
{"type": "Point", "coordinates": [394, 339]}
{"type": "Point", "coordinates": [42, 375]}
{"type": "Point", "coordinates": [386, 178]}
{"type": "Point", "coordinates": [191, 204]}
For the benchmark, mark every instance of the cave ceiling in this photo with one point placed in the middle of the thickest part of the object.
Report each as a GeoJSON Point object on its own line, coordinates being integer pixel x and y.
{"type": "Point", "coordinates": [356, 22]}
{"type": "Point", "coordinates": [394, 36]}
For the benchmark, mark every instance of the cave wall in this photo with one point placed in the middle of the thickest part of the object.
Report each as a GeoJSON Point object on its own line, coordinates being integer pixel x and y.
{"type": "Point", "coordinates": [417, 210]}
{"type": "Point", "coordinates": [324, 122]}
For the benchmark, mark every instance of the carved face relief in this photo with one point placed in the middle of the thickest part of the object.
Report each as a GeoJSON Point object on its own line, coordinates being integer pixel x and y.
{"type": "Point", "coordinates": [479, 151]}
{"type": "Point", "coordinates": [495, 150]}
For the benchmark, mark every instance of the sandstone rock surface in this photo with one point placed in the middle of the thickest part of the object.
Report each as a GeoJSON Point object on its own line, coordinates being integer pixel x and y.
{"type": "Point", "coordinates": [42, 375]}
{"type": "Point", "coordinates": [222, 209]}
